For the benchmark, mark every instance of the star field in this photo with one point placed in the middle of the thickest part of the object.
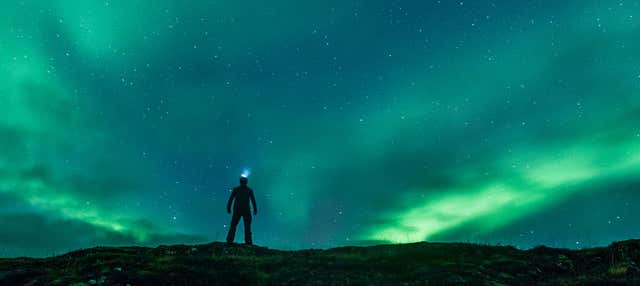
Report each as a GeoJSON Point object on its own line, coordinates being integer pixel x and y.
{"type": "Point", "coordinates": [356, 122]}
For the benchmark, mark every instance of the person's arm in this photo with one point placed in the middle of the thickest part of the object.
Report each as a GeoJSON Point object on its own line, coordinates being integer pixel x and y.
{"type": "Point", "coordinates": [233, 195]}
{"type": "Point", "coordinates": [253, 202]}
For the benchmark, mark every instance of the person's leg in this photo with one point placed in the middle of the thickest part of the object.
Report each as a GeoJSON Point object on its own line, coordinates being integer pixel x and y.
{"type": "Point", "coordinates": [232, 227]}
{"type": "Point", "coordinates": [247, 228]}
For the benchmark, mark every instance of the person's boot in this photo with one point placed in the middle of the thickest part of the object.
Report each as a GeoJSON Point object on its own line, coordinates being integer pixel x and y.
{"type": "Point", "coordinates": [231, 235]}
{"type": "Point", "coordinates": [247, 239]}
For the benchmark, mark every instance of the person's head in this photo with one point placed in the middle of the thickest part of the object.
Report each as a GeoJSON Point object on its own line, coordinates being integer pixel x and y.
{"type": "Point", "coordinates": [243, 181]}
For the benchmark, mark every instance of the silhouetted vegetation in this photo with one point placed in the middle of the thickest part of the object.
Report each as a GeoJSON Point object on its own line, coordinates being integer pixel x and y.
{"type": "Point", "coordinates": [407, 264]}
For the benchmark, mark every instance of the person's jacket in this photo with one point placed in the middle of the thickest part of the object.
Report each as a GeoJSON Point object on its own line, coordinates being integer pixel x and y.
{"type": "Point", "coordinates": [242, 195]}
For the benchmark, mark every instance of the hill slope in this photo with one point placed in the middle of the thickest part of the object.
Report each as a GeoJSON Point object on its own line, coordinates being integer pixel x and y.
{"type": "Point", "coordinates": [407, 264]}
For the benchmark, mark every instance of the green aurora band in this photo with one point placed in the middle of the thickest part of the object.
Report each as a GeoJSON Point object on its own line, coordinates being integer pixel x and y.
{"type": "Point", "coordinates": [484, 131]}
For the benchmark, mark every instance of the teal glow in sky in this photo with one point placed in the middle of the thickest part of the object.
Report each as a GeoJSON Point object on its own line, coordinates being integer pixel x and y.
{"type": "Point", "coordinates": [357, 122]}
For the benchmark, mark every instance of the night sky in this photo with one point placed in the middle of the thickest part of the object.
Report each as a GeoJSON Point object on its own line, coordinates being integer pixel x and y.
{"type": "Point", "coordinates": [361, 122]}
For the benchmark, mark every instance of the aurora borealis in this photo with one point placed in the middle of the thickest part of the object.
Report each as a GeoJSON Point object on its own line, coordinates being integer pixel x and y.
{"type": "Point", "coordinates": [360, 122]}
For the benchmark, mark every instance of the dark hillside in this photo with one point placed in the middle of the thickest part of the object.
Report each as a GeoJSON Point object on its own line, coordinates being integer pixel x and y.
{"type": "Point", "coordinates": [407, 264]}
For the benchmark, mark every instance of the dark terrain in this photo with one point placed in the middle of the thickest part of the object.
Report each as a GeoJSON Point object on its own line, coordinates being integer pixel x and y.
{"type": "Point", "coordinates": [407, 264]}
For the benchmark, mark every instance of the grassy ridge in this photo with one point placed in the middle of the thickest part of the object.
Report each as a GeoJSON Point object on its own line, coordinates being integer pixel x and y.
{"type": "Point", "coordinates": [406, 264]}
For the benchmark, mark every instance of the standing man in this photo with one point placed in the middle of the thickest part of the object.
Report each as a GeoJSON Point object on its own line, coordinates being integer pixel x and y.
{"type": "Point", "coordinates": [242, 194]}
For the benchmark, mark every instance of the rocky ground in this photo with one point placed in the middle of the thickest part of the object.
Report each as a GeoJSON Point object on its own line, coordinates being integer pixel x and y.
{"type": "Point", "coordinates": [407, 264]}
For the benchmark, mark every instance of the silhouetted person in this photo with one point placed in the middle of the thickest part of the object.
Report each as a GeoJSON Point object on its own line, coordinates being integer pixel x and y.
{"type": "Point", "coordinates": [241, 194]}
